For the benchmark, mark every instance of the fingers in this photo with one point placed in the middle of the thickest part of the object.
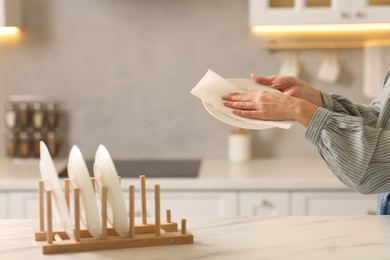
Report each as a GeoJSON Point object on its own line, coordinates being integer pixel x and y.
{"type": "Point", "coordinates": [284, 82]}
{"type": "Point", "coordinates": [238, 96]}
{"type": "Point", "coordinates": [242, 101]}
{"type": "Point", "coordinates": [253, 114]}
{"type": "Point", "coordinates": [264, 80]}
{"type": "Point", "coordinates": [240, 105]}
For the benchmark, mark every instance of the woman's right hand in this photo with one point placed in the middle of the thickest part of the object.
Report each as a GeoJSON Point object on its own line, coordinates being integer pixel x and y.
{"type": "Point", "coordinates": [291, 86]}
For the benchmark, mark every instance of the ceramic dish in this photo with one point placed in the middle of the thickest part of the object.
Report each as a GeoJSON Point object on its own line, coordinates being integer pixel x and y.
{"type": "Point", "coordinates": [50, 177]}
{"type": "Point", "coordinates": [79, 177]}
{"type": "Point", "coordinates": [106, 176]}
{"type": "Point", "coordinates": [247, 123]}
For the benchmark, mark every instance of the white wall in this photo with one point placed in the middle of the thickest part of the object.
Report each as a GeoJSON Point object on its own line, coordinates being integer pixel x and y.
{"type": "Point", "coordinates": [122, 71]}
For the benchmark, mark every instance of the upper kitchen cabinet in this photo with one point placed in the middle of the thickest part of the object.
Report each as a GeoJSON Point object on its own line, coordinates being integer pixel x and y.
{"type": "Point", "coordinates": [10, 16]}
{"type": "Point", "coordinates": [303, 12]}
{"type": "Point", "coordinates": [370, 11]}
{"type": "Point", "coordinates": [309, 24]}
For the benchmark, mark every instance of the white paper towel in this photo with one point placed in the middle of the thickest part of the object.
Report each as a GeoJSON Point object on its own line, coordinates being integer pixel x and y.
{"type": "Point", "coordinates": [376, 63]}
{"type": "Point", "coordinates": [212, 87]}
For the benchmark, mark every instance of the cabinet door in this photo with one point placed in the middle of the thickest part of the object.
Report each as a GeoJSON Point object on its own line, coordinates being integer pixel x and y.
{"type": "Point", "coordinates": [371, 11]}
{"type": "Point", "coordinates": [333, 203]}
{"type": "Point", "coordinates": [189, 204]}
{"type": "Point", "coordinates": [264, 203]}
{"type": "Point", "coordinates": [23, 205]}
{"type": "Point", "coordinates": [277, 12]}
{"type": "Point", "coordinates": [4, 208]}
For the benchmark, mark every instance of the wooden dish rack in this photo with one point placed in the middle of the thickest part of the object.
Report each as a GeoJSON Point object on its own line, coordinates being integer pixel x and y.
{"type": "Point", "coordinates": [140, 235]}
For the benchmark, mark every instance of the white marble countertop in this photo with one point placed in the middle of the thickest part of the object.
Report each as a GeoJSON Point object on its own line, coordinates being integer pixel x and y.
{"type": "Point", "coordinates": [215, 174]}
{"type": "Point", "coordinates": [352, 237]}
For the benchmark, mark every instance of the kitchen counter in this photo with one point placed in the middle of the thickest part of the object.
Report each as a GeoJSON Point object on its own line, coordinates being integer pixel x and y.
{"type": "Point", "coordinates": [352, 237]}
{"type": "Point", "coordinates": [214, 174]}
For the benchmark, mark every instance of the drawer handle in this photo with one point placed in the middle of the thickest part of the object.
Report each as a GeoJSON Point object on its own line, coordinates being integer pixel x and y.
{"type": "Point", "coordinates": [265, 204]}
{"type": "Point", "coordinates": [360, 15]}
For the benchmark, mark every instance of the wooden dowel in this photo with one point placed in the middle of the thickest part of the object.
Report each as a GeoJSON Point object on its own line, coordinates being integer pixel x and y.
{"type": "Point", "coordinates": [41, 206]}
{"type": "Point", "coordinates": [57, 238]}
{"type": "Point", "coordinates": [104, 213]}
{"type": "Point", "coordinates": [143, 199]}
{"type": "Point", "coordinates": [49, 236]}
{"type": "Point", "coordinates": [131, 211]}
{"type": "Point", "coordinates": [67, 192]}
{"type": "Point", "coordinates": [168, 216]}
{"type": "Point", "coordinates": [184, 226]}
{"type": "Point", "coordinates": [76, 194]}
{"type": "Point", "coordinates": [93, 183]}
{"type": "Point", "coordinates": [157, 210]}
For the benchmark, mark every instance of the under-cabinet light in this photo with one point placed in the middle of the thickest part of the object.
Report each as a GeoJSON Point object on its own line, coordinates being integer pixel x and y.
{"type": "Point", "coordinates": [313, 28]}
{"type": "Point", "coordinates": [5, 30]}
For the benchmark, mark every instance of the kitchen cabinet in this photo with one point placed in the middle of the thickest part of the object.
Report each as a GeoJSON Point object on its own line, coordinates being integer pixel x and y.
{"type": "Point", "coordinates": [181, 204]}
{"type": "Point", "coordinates": [190, 204]}
{"type": "Point", "coordinates": [23, 204]}
{"type": "Point", "coordinates": [333, 203]}
{"type": "Point", "coordinates": [279, 12]}
{"type": "Point", "coordinates": [264, 203]}
{"type": "Point", "coordinates": [10, 13]}
{"type": "Point", "coordinates": [4, 205]}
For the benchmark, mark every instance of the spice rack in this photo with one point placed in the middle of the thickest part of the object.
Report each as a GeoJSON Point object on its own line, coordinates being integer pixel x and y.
{"type": "Point", "coordinates": [29, 119]}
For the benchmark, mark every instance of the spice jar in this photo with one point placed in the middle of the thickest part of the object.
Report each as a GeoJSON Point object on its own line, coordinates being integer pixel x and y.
{"type": "Point", "coordinates": [10, 115]}
{"type": "Point", "coordinates": [24, 144]}
{"type": "Point", "coordinates": [38, 115]}
{"type": "Point", "coordinates": [52, 143]}
{"type": "Point", "coordinates": [23, 114]}
{"type": "Point", "coordinates": [37, 137]}
{"type": "Point", "coordinates": [11, 144]}
{"type": "Point", "coordinates": [51, 115]}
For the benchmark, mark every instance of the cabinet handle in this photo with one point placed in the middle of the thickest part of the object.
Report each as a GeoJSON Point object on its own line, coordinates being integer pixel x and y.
{"type": "Point", "coordinates": [360, 15]}
{"type": "Point", "coordinates": [345, 15]}
{"type": "Point", "coordinates": [265, 204]}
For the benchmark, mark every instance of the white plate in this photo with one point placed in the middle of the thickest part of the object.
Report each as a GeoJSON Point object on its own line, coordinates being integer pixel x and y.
{"type": "Point", "coordinates": [247, 123]}
{"type": "Point", "coordinates": [106, 176]}
{"type": "Point", "coordinates": [79, 177]}
{"type": "Point", "coordinates": [50, 177]}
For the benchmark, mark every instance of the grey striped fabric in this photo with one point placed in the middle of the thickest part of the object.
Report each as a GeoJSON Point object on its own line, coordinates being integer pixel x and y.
{"type": "Point", "coordinates": [354, 140]}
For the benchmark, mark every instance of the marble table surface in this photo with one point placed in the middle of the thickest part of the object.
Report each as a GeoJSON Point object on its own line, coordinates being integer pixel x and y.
{"type": "Point", "coordinates": [305, 237]}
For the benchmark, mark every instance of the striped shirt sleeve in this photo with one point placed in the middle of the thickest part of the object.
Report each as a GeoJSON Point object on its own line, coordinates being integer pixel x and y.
{"type": "Point", "coordinates": [347, 138]}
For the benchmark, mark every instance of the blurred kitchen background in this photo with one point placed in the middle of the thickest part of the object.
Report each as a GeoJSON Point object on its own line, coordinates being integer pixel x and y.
{"type": "Point", "coordinates": [121, 72]}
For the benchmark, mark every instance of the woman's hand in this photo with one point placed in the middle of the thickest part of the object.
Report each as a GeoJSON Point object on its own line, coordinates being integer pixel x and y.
{"type": "Point", "coordinates": [261, 105]}
{"type": "Point", "coordinates": [291, 86]}
{"type": "Point", "coordinates": [298, 102]}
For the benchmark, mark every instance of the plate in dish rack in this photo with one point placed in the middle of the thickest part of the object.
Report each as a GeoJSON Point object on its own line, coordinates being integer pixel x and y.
{"type": "Point", "coordinates": [79, 177]}
{"type": "Point", "coordinates": [106, 176]}
{"type": "Point", "coordinates": [50, 178]}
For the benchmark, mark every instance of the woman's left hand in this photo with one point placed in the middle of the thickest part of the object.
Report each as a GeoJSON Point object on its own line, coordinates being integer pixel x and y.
{"type": "Point", "coordinates": [259, 105]}
{"type": "Point", "coordinates": [265, 105]}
